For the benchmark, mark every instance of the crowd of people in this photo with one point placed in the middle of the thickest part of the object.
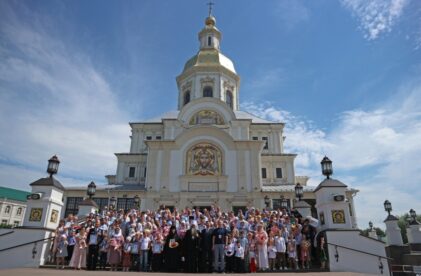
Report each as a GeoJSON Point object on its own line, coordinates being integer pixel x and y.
{"type": "Point", "coordinates": [189, 240]}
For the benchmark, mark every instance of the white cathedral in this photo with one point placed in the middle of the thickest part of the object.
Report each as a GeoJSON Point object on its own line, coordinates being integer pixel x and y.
{"type": "Point", "coordinates": [207, 152]}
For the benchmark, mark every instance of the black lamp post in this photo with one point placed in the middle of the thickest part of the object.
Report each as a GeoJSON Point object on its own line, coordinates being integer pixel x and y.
{"type": "Point", "coordinates": [267, 201]}
{"type": "Point", "coordinates": [326, 167]}
{"type": "Point", "coordinates": [136, 200]}
{"type": "Point", "coordinates": [91, 189]}
{"type": "Point", "coordinates": [370, 224]}
{"type": "Point", "coordinates": [113, 201]}
{"type": "Point", "coordinates": [299, 191]}
{"type": "Point", "coordinates": [53, 165]}
{"type": "Point", "coordinates": [413, 215]}
{"type": "Point", "coordinates": [387, 206]}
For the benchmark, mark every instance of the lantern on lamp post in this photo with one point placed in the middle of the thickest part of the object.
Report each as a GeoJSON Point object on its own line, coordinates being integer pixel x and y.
{"type": "Point", "coordinates": [387, 206]}
{"type": "Point", "coordinates": [326, 167]}
{"type": "Point", "coordinates": [53, 165]}
{"type": "Point", "coordinates": [284, 202]}
{"type": "Point", "coordinates": [113, 202]}
{"type": "Point", "coordinates": [136, 200]}
{"type": "Point", "coordinates": [267, 201]}
{"type": "Point", "coordinates": [299, 191]}
{"type": "Point", "coordinates": [91, 189]}
{"type": "Point", "coordinates": [413, 216]}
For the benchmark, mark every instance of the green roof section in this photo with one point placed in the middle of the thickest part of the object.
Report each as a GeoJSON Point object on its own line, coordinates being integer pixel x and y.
{"type": "Point", "coordinates": [13, 194]}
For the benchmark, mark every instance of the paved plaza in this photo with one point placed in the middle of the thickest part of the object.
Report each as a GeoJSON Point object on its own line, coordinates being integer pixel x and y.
{"type": "Point", "coordinates": [47, 272]}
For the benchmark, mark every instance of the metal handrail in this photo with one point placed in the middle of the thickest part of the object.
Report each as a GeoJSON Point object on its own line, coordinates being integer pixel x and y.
{"type": "Point", "coordinates": [23, 244]}
{"type": "Point", "coordinates": [7, 233]}
{"type": "Point", "coordinates": [387, 258]}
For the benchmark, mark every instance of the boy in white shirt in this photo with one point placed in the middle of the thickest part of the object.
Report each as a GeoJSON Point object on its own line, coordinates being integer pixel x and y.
{"type": "Point", "coordinates": [239, 258]}
{"type": "Point", "coordinates": [145, 245]}
{"type": "Point", "coordinates": [271, 253]}
{"type": "Point", "coordinates": [280, 254]}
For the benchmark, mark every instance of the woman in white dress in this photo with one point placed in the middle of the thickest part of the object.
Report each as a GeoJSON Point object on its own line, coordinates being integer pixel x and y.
{"type": "Point", "coordinates": [262, 251]}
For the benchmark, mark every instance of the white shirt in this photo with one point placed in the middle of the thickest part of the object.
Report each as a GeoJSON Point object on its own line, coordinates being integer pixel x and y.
{"type": "Point", "coordinates": [280, 244]}
{"type": "Point", "coordinates": [157, 248]}
{"type": "Point", "coordinates": [145, 243]}
{"type": "Point", "coordinates": [272, 252]}
{"type": "Point", "coordinates": [230, 249]}
{"type": "Point", "coordinates": [239, 252]}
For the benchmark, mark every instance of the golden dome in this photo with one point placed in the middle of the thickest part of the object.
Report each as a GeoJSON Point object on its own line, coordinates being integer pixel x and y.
{"type": "Point", "coordinates": [210, 20]}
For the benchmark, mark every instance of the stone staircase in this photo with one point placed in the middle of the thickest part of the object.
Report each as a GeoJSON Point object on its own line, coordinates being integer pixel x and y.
{"type": "Point", "coordinates": [406, 259]}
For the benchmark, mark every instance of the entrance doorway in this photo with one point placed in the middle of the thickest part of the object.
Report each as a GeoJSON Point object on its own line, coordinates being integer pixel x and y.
{"type": "Point", "coordinates": [201, 208]}
{"type": "Point", "coordinates": [236, 209]}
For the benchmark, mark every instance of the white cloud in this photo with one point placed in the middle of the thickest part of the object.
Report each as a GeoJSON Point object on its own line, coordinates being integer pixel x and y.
{"type": "Point", "coordinates": [291, 12]}
{"type": "Point", "coordinates": [376, 151]}
{"type": "Point", "coordinates": [53, 100]}
{"type": "Point", "coordinates": [376, 16]}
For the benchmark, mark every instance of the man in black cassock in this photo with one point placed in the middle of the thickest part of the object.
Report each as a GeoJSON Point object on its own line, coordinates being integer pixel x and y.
{"type": "Point", "coordinates": [191, 249]}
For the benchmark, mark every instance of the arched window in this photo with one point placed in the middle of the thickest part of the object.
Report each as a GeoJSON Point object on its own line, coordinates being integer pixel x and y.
{"type": "Point", "coordinates": [228, 98]}
{"type": "Point", "coordinates": [19, 211]}
{"type": "Point", "coordinates": [186, 97]}
{"type": "Point", "coordinates": [7, 210]}
{"type": "Point", "coordinates": [207, 92]}
{"type": "Point", "coordinates": [209, 41]}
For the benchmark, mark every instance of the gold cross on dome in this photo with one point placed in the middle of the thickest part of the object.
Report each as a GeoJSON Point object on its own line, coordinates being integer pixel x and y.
{"type": "Point", "coordinates": [210, 4]}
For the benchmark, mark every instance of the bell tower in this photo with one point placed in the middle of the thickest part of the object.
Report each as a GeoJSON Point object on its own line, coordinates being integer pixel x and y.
{"type": "Point", "coordinates": [209, 74]}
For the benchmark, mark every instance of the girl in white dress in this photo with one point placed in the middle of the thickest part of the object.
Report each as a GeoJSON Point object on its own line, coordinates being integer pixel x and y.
{"type": "Point", "coordinates": [292, 252]}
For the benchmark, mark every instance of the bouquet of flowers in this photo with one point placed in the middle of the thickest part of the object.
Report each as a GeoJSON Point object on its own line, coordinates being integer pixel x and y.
{"type": "Point", "coordinates": [173, 243]}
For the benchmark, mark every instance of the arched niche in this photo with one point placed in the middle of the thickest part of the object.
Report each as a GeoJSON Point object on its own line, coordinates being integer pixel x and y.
{"type": "Point", "coordinates": [209, 104]}
{"type": "Point", "coordinates": [206, 117]}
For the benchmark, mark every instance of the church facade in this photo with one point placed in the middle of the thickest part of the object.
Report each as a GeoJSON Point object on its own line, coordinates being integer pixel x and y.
{"type": "Point", "coordinates": [207, 152]}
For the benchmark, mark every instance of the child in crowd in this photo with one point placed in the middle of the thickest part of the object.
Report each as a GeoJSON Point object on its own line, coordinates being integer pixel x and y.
{"type": "Point", "coordinates": [252, 253]}
{"type": "Point", "coordinates": [126, 263]}
{"type": "Point", "coordinates": [61, 252]}
{"type": "Point", "coordinates": [292, 252]}
{"type": "Point", "coordinates": [244, 244]}
{"type": "Point", "coordinates": [71, 242]}
{"type": "Point", "coordinates": [103, 249]}
{"type": "Point", "coordinates": [229, 255]}
{"type": "Point", "coordinates": [157, 248]}
{"type": "Point", "coordinates": [114, 252]}
{"type": "Point", "coordinates": [271, 253]}
{"type": "Point", "coordinates": [239, 258]}
{"type": "Point", "coordinates": [145, 245]}
{"type": "Point", "coordinates": [305, 252]}
{"type": "Point", "coordinates": [280, 251]}
{"type": "Point", "coordinates": [134, 252]}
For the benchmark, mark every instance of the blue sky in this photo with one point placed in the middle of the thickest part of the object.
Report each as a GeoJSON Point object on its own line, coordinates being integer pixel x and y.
{"type": "Point", "coordinates": [344, 75]}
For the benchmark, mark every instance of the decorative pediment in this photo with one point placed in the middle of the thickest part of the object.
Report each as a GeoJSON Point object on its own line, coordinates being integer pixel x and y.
{"type": "Point", "coordinates": [207, 117]}
{"type": "Point", "coordinates": [207, 80]}
{"type": "Point", "coordinates": [228, 86]}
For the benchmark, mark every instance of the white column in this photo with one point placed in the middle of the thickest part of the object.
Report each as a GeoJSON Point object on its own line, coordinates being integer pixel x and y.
{"type": "Point", "coordinates": [414, 233]}
{"type": "Point", "coordinates": [372, 234]}
{"type": "Point", "coordinates": [393, 232]}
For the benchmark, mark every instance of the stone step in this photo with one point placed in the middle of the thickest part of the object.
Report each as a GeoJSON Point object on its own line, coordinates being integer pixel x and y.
{"type": "Point", "coordinates": [311, 270]}
{"type": "Point", "coordinates": [412, 259]}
